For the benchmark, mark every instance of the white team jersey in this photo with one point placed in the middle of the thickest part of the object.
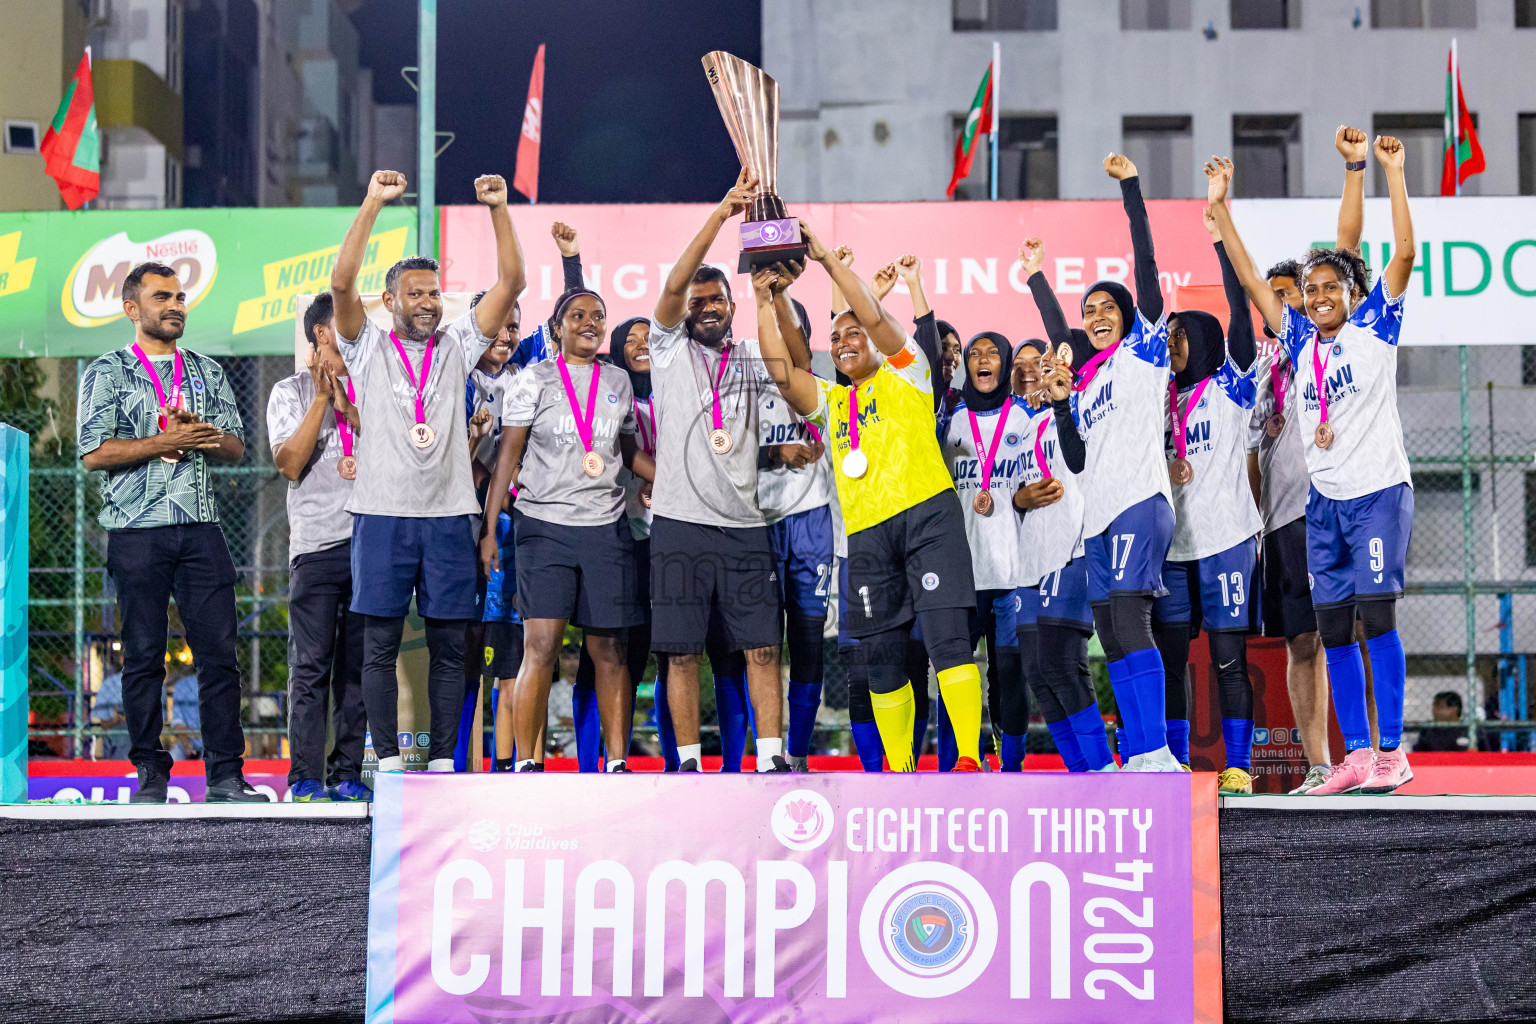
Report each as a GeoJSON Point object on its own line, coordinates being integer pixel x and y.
{"type": "Point", "coordinates": [645, 439]}
{"type": "Point", "coordinates": [1360, 374]}
{"type": "Point", "coordinates": [489, 392]}
{"type": "Point", "coordinates": [1215, 510]}
{"type": "Point", "coordinates": [994, 539]}
{"type": "Point", "coordinates": [1283, 481]}
{"type": "Point", "coordinates": [1051, 536]}
{"type": "Point", "coordinates": [782, 491]}
{"type": "Point", "coordinates": [1120, 414]}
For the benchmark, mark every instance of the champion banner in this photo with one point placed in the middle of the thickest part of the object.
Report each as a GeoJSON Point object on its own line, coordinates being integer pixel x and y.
{"type": "Point", "coordinates": [822, 898]}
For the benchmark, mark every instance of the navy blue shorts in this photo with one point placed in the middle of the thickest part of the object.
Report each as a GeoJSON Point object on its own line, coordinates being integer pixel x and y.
{"type": "Point", "coordinates": [501, 587]}
{"type": "Point", "coordinates": [1061, 599]}
{"type": "Point", "coordinates": [1127, 558]}
{"type": "Point", "coordinates": [1220, 591]}
{"type": "Point", "coordinates": [433, 557]}
{"type": "Point", "coordinates": [802, 551]}
{"type": "Point", "coordinates": [998, 609]}
{"type": "Point", "coordinates": [1358, 548]}
{"type": "Point", "coordinates": [585, 575]}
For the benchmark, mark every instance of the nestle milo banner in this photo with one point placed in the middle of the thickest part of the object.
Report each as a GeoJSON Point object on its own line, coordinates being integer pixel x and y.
{"type": "Point", "coordinates": [61, 274]}
{"type": "Point", "coordinates": [839, 898]}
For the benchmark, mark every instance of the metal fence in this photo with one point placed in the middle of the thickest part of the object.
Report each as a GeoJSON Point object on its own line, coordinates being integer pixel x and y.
{"type": "Point", "coordinates": [1468, 621]}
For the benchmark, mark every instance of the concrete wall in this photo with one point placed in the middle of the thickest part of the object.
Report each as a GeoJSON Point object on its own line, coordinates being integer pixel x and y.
{"type": "Point", "coordinates": [32, 82]}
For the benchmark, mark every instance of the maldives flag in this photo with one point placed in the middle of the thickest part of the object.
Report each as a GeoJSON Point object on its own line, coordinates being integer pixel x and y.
{"type": "Point", "coordinates": [526, 180]}
{"type": "Point", "coordinates": [1463, 153]}
{"type": "Point", "coordinates": [977, 122]}
{"type": "Point", "coordinates": [71, 148]}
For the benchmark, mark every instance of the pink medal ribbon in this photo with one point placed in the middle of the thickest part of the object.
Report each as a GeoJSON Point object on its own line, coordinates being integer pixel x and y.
{"type": "Point", "coordinates": [990, 456]}
{"type": "Point", "coordinates": [1319, 373]}
{"type": "Point", "coordinates": [343, 427]}
{"type": "Point", "coordinates": [717, 417]}
{"type": "Point", "coordinates": [1278, 382]}
{"type": "Point", "coordinates": [154, 378]}
{"type": "Point", "coordinates": [810, 428]}
{"type": "Point", "coordinates": [1091, 367]}
{"type": "Point", "coordinates": [647, 441]}
{"type": "Point", "coordinates": [1045, 468]}
{"type": "Point", "coordinates": [584, 421]}
{"type": "Point", "coordinates": [426, 370]}
{"type": "Point", "coordinates": [1180, 446]}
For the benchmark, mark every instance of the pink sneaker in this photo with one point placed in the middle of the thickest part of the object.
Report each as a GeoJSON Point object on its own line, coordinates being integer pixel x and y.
{"type": "Point", "coordinates": [1389, 770]}
{"type": "Point", "coordinates": [1348, 775]}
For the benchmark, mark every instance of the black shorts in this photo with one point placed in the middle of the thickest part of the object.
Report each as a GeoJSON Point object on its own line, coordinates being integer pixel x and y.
{"type": "Point", "coordinates": [503, 649]}
{"type": "Point", "coordinates": [1287, 592]}
{"type": "Point", "coordinates": [696, 569]}
{"type": "Point", "coordinates": [583, 574]}
{"type": "Point", "coordinates": [915, 561]}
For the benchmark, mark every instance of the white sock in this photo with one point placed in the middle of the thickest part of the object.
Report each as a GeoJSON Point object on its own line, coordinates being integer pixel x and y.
{"type": "Point", "coordinates": [391, 764]}
{"type": "Point", "coordinates": [690, 751]}
{"type": "Point", "coordinates": [519, 765]}
{"type": "Point", "coordinates": [613, 766]}
{"type": "Point", "coordinates": [440, 764]}
{"type": "Point", "coordinates": [767, 748]}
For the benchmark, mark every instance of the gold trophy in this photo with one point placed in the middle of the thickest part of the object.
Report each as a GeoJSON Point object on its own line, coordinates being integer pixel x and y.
{"type": "Point", "coordinates": [749, 103]}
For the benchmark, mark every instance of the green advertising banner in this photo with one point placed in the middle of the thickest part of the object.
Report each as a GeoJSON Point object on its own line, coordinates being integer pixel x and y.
{"type": "Point", "coordinates": [61, 274]}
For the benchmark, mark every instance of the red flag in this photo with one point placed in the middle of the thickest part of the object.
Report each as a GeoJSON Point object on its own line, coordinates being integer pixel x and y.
{"type": "Point", "coordinates": [978, 122]}
{"type": "Point", "coordinates": [71, 149]}
{"type": "Point", "coordinates": [1463, 153]}
{"type": "Point", "coordinates": [526, 180]}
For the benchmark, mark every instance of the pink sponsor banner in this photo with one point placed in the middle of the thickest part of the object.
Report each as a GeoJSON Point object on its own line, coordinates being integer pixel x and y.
{"type": "Point", "coordinates": [971, 272]}
{"type": "Point", "coordinates": [822, 898]}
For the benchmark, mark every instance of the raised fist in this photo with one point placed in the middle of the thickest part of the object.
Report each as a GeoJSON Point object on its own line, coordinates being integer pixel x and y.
{"type": "Point", "coordinates": [491, 190]}
{"type": "Point", "coordinates": [884, 280]}
{"type": "Point", "coordinates": [844, 254]}
{"type": "Point", "coordinates": [1032, 255]}
{"type": "Point", "coordinates": [1119, 166]}
{"type": "Point", "coordinates": [385, 186]}
{"type": "Point", "coordinates": [565, 237]}
{"type": "Point", "coordinates": [911, 269]}
{"type": "Point", "coordinates": [1350, 142]}
{"type": "Point", "coordinates": [1389, 152]}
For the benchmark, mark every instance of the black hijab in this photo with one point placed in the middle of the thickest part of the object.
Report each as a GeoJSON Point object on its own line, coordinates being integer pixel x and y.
{"type": "Point", "coordinates": [1122, 296]}
{"type": "Point", "coordinates": [640, 382]}
{"type": "Point", "coordinates": [1038, 344]}
{"type": "Point", "coordinates": [1207, 347]}
{"type": "Point", "coordinates": [990, 401]}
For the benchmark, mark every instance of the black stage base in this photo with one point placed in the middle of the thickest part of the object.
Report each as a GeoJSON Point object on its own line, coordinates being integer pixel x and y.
{"type": "Point", "coordinates": [1349, 909]}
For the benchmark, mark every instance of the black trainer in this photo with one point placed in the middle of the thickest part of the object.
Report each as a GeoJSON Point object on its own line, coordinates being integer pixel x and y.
{"type": "Point", "coordinates": [152, 783]}
{"type": "Point", "coordinates": [690, 765]}
{"type": "Point", "coordinates": [234, 790]}
{"type": "Point", "coordinates": [531, 766]}
{"type": "Point", "coordinates": [780, 765]}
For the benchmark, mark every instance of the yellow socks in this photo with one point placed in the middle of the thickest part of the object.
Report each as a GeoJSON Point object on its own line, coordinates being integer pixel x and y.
{"type": "Point", "coordinates": [961, 689]}
{"type": "Point", "coordinates": [894, 715]}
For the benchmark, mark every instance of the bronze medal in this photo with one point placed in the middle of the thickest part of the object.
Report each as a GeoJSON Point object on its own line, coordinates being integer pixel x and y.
{"type": "Point", "coordinates": [983, 503]}
{"type": "Point", "coordinates": [1180, 471]}
{"type": "Point", "coordinates": [1064, 355]}
{"type": "Point", "coordinates": [1323, 436]}
{"type": "Point", "coordinates": [347, 467]}
{"type": "Point", "coordinates": [171, 460]}
{"type": "Point", "coordinates": [1274, 425]}
{"type": "Point", "coordinates": [719, 441]}
{"type": "Point", "coordinates": [592, 464]}
{"type": "Point", "coordinates": [422, 435]}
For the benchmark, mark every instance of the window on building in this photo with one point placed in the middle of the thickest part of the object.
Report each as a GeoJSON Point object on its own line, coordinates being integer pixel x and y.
{"type": "Point", "coordinates": [1154, 14]}
{"type": "Point", "coordinates": [1268, 149]}
{"type": "Point", "coordinates": [1003, 15]}
{"type": "Point", "coordinates": [1423, 13]}
{"type": "Point", "coordinates": [21, 136]}
{"type": "Point", "coordinates": [1527, 144]}
{"type": "Point", "coordinates": [1261, 14]}
{"type": "Point", "coordinates": [1525, 13]}
{"type": "Point", "coordinates": [1163, 150]}
{"type": "Point", "coordinates": [1528, 365]}
{"type": "Point", "coordinates": [1026, 159]}
{"type": "Point", "coordinates": [1423, 137]}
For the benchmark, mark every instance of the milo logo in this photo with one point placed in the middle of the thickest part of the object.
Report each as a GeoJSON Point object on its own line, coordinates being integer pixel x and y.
{"type": "Point", "coordinates": [93, 291]}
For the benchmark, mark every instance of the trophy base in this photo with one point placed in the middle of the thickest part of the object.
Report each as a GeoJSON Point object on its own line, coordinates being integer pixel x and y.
{"type": "Point", "coordinates": [769, 241]}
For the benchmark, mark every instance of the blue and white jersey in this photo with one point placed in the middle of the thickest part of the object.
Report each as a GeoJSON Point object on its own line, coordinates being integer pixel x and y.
{"type": "Point", "coordinates": [1120, 414]}
{"type": "Point", "coordinates": [1283, 481]}
{"type": "Point", "coordinates": [1360, 374]}
{"type": "Point", "coordinates": [994, 539]}
{"type": "Point", "coordinates": [1215, 510]}
{"type": "Point", "coordinates": [533, 347]}
{"type": "Point", "coordinates": [782, 491]}
{"type": "Point", "coordinates": [1052, 536]}
{"type": "Point", "coordinates": [488, 391]}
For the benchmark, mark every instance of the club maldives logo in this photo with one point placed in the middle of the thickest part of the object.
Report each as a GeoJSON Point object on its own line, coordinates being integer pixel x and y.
{"type": "Point", "coordinates": [93, 289]}
{"type": "Point", "coordinates": [802, 820]}
{"type": "Point", "coordinates": [484, 835]}
{"type": "Point", "coordinates": [928, 929]}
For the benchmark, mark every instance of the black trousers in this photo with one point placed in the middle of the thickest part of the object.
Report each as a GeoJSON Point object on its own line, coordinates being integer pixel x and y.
{"type": "Point", "coordinates": [445, 682]}
{"type": "Point", "coordinates": [149, 566]}
{"type": "Point", "coordinates": [325, 668]}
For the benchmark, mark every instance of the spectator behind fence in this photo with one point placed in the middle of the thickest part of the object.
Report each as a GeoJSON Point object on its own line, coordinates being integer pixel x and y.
{"type": "Point", "coordinates": [107, 713]}
{"type": "Point", "coordinates": [1449, 737]}
{"type": "Point", "coordinates": [154, 416]}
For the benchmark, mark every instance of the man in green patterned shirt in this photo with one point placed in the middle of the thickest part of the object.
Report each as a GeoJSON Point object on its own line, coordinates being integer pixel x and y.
{"type": "Point", "coordinates": [152, 416]}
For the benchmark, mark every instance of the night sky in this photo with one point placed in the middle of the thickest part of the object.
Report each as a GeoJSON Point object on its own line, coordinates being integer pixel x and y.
{"type": "Point", "coordinates": [628, 115]}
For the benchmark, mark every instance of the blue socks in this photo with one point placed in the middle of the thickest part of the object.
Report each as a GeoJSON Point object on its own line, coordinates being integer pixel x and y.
{"type": "Point", "coordinates": [804, 702]}
{"type": "Point", "coordinates": [1389, 671]}
{"type": "Point", "coordinates": [948, 753]}
{"type": "Point", "coordinates": [467, 721]}
{"type": "Point", "coordinates": [589, 729]}
{"type": "Point", "coordinates": [1127, 740]}
{"type": "Point", "coordinates": [919, 737]}
{"type": "Point", "coordinates": [866, 742]}
{"type": "Point", "coordinates": [731, 710]}
{"type": "Point", "coordinates": [1145, 671]}
{"type": "Point", "coordinates": [1346, 673]}
{"type": "Point", "coordinates": [1013, 752]}
{"type": "Point", "coordinates": [1088, 728]}
{"type": "Point", "coordinates": [1237, 734]}
{"type": "Point", "coordinates": [1178, 738]}
{"type": "Point", "coordinates": [664, 731]}
{"type": "Point", "coordinates": [1066, 745]}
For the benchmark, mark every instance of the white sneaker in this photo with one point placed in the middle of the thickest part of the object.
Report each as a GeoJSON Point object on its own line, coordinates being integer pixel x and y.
{"type": "Point", "coordinates": [1316, 776]}
{"type": "Point", "coordinates": [1160, 760]}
